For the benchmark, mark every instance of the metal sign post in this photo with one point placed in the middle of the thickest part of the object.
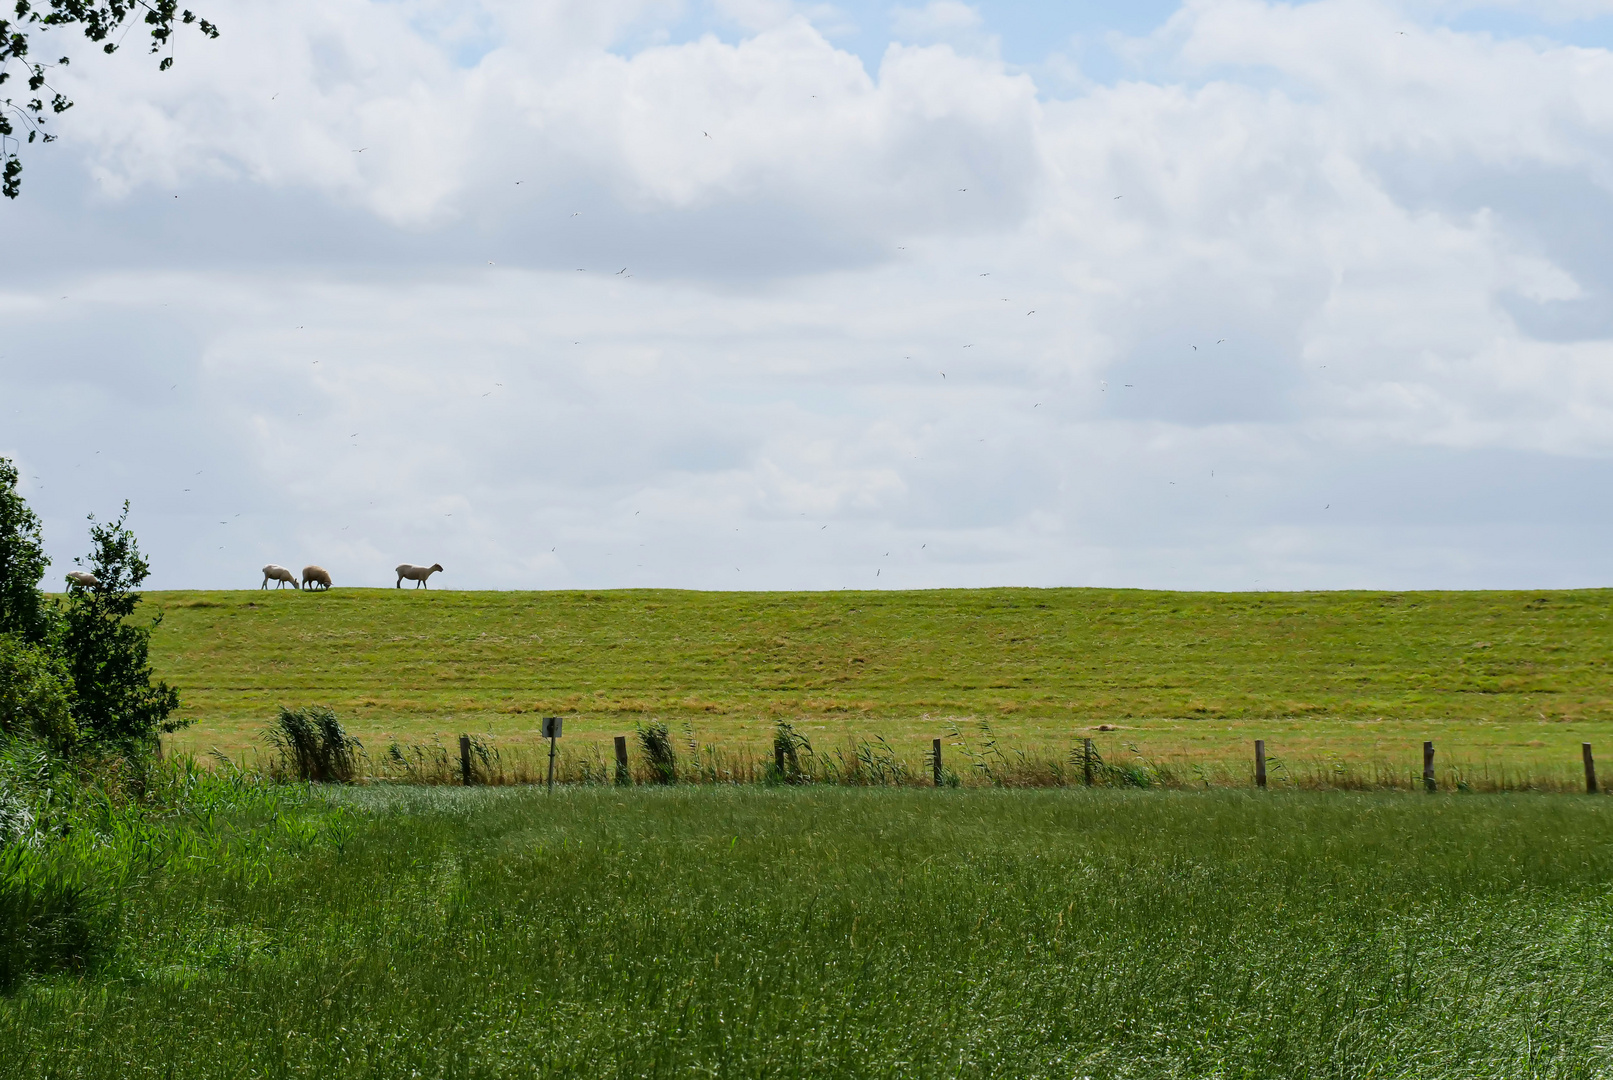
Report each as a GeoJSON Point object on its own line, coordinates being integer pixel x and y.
{"type": "Point", "coordinates": [551, 731]}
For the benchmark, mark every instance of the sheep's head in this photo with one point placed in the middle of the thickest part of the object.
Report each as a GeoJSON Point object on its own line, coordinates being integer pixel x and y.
{"type": "Point", "coordinates": [436, 567]}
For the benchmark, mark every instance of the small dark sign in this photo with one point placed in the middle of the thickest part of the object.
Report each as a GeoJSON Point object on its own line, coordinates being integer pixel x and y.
{"type": "Point", "coordinates": [551, 727]}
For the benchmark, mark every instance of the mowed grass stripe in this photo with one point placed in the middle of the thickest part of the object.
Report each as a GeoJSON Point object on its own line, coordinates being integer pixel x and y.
{"type": "Point", "coordinates": [1521, 677]}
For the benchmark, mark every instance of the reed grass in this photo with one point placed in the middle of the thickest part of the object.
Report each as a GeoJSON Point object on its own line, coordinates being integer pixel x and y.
{"type": "Point", "coordinates": [819, 930]}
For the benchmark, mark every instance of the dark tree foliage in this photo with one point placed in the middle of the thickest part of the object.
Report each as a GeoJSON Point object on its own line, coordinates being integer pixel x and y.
{"type": "Point", "coordinates": [36, 694]}
{"type": "Point", "coordinates": [99, 20]}
{"type": "Point", "coordinates": [117, 706]}
{"type": "Point", "coordinates": [22, 563]}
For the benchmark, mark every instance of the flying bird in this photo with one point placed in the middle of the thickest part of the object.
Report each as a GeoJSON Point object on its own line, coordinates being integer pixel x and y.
{"type": "Point", "coordinates": [360, 150]}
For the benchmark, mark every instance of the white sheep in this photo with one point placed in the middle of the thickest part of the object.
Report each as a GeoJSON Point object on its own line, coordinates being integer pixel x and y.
{"type": "Point", "coordinates": [83, 579]}
{"type": "Point", "coordinates": [315, 575]}
{"type": "Point", "coordinates": [279, 574]}
{"type": "Point", "coordinates": [416, 574]}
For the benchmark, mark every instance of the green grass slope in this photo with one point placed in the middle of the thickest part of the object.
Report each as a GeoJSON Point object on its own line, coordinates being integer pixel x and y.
{"type": "Point", "coordinates": [853, 933]}
{"type": "Point", "coordinates": [1514, 678]}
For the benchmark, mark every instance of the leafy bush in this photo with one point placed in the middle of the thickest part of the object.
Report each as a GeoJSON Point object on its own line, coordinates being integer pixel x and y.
{"type": "Point", "coordinates": [36, 694]}
{"type": "Point", "coordinates": [310, 744]}
{"type": "Point", "coordinates": [117, 705]}
{"type": "Point", "coordinates": [656, 741]}
{"type": "Point", "coordinates": [23, 610]}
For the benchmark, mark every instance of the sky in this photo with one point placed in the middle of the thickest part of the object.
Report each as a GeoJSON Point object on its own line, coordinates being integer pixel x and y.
{"type": "Point", "coordinates": [755, 294]}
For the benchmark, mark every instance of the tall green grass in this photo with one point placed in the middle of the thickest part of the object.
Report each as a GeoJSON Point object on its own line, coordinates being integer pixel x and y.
{"type": "Point", "coordinates": [79, 839]}
{"type": "Point", "coordinates": [829, 931]}
{"type": "Point", "coordinates": [973, 755]}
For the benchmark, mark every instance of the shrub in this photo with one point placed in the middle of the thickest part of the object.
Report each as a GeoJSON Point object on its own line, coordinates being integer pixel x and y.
{"type": "Point", "coordinates": [656, 741]}
{"type": "Point", "coordinates": [36, 694]}
{"type": "Point", "coordinates": [23, 610]}
{"type": "Point", "coordinates": [116, 705]}
{"type": "Point", "coordinates": [310, 744]}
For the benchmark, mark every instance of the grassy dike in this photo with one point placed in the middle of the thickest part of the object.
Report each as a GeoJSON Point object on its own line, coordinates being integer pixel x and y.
{"type": "Point", "coordinates": [1510, 681]}
{"type": "Point", "coordinates": [826, 932]}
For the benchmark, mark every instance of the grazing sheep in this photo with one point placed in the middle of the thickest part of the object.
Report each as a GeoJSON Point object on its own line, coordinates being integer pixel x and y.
{"type": "Point", "coordinates": [315, 575]}
{"type": "Point", "coordinates": [416, 574]}
{"type": "Point", "coordinates": [84, 579]}
{"type": "Point", "coordinates": [279, 574]}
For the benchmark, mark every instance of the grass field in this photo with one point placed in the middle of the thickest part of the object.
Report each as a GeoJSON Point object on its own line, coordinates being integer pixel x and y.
{"type": "Point", "coordinates": [1500, 680]}
{"type": "Point", "coordinates": [832, 932]}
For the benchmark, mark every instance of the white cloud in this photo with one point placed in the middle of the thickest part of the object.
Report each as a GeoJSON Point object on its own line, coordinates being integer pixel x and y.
{"type": "Point", "coordinates": [935, 19]}
{"type": "Point", "coordinates": [1350, 271]}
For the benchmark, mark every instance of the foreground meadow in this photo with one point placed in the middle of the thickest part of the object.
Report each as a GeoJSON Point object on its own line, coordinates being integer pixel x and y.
{"type": "Point", "coordinates": [861, 933]}
{"type": "Point", "coordinates": [1502, 681]}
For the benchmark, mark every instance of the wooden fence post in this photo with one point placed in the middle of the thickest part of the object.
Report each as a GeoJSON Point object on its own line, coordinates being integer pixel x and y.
{"type": "Point", "coordinates": [1590, 769]}
{"type": "Point", "coordinates": [623, 777]}
{"type": "Point", "coordinates": [1260, 763]}
{"type": "Point", "coordinates": [1429, 784]}
{"type": "Point", "coordinates": [1086, 762]}
{"type": "Point", "coordinates": [937, 763]}
{"type": "Point", "coordinates": [464, 759]}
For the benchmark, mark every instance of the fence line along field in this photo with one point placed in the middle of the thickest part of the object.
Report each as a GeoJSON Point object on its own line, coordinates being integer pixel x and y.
{"type": "Point", "coordinates": [1518, 679]}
